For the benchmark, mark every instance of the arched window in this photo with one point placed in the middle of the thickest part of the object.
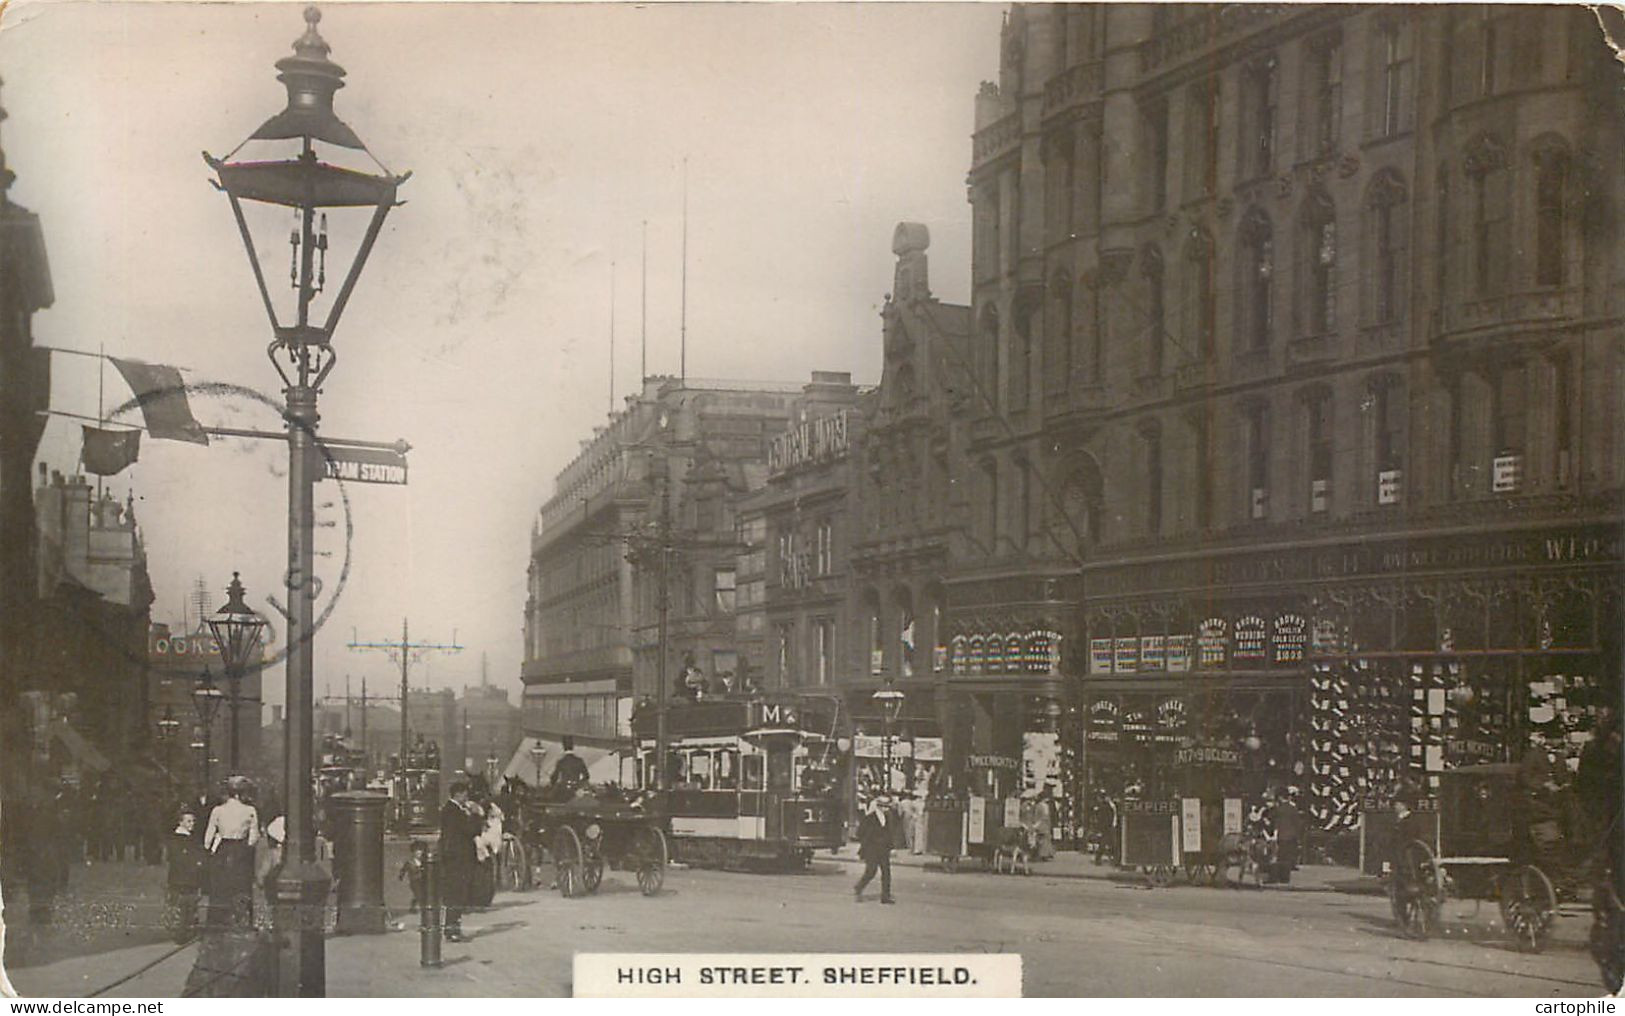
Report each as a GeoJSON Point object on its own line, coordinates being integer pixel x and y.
{"type": "Point", "coordinates": [1151, 436]}
{"type": "Point", "coordinates": [1318, 427]}
{"type": "Point", "coordinates": [1551, 213]}
{"type": "Point", "coordinates": [1385, 402]}
{"type": "Point", "coordinates": [1318, 264]}
{"type": "Point", "coordinates": [1059, 368]}
{"type": "Point", "coordinates": [988, 334]}
{"type": "Point", "coordinates": [1021, 355]}
{"type": "Point", "coordinates": [1156, 319]}
{"type": "Point", "coordinates": [1257, 281]}
{"type": "Point", "coordinates": [1491, 208]}
{"type": "Point", "coordinates": [1201, 428]}
{"type": "Point", "coordinates": [1388, 247]}
{"type": "Point", "coordinates": [1255, 417]}
{"type": "Point", "coordinates": [990, 505]}
{"type": "Point", "coordinates": [1080, 505]}
{"type": "Point", "coordinates": [1200, 299]}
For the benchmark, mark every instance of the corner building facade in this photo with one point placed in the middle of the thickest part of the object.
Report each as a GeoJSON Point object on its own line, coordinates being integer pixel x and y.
{"type": "Point", "coordinates": [666, 471]}
{"type": "Point", "coordinates": [1293, 411]}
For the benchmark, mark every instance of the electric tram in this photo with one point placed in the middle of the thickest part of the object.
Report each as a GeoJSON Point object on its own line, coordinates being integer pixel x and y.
{"type": "Point", "coordinates": [749, 780]}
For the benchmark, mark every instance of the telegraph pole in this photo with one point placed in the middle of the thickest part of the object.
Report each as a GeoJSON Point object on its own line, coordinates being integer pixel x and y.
{"type": "Point", "coordinates": [404, 652]}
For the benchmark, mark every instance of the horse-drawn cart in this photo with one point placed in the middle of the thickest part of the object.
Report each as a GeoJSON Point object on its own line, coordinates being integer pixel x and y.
{"type": "Point", "coordinates": [585, 835]}
{"type": "Point", "coordinates": [1485, 853]}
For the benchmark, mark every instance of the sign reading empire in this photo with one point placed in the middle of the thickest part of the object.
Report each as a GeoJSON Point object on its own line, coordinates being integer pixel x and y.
{"type": "Point", "coordinates": [808, 443]}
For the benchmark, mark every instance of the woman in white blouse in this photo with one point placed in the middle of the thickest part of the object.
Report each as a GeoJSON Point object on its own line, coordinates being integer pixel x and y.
{"type": "Point", "coordinates": [234, 828]}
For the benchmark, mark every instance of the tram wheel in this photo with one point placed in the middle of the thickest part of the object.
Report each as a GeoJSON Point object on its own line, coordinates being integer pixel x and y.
{"type": "Point", "coordinates": [567, 862]}
{"type": "Point", "coordinates": [1528, 905]}
{"type": "Point", "coordinates": [652, 863]}
{"type": "Point", "coordinates": [1416, 891]}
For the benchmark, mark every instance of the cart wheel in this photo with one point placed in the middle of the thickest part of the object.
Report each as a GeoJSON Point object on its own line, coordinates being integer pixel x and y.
{"type": "Point", "coordinates": [513, 865]}
{"type": "Point", "coordinates": [1416, 891]}
{"type": "Point", "coordinates": [652, 863]}
{"type": "Point", "coordinates": [567, 862]}
{"type": "Point", "coordinates": [1528, 904]}
{"type": "Point", "coordinates": [1159, 875]}
{"type": "Point", "coordinates": [1200, 872]}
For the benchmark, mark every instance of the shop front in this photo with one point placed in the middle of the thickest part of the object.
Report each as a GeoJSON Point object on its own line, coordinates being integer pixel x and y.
{"type": "Point", "coordinates": [1352, 672]}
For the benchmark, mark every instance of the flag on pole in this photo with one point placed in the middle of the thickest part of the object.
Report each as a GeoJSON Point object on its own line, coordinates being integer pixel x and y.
{"type": "Point", "coordinates": [108, 452]}
{"type": "Point", "coordinates": [162, 396]}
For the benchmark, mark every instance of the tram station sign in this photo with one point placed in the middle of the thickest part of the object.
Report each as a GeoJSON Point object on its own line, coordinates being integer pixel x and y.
{"type": "Point", "coordinates": [363, 465]}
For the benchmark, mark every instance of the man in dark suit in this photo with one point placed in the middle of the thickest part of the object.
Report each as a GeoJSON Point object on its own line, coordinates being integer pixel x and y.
{"type": "Point", "coordinates": [875, 833]}
{"type": "Point", "coordinates": [458, 827]}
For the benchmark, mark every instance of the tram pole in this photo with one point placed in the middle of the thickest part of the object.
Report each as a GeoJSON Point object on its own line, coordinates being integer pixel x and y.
{"type": "Point", "coordinates": [662, 735]}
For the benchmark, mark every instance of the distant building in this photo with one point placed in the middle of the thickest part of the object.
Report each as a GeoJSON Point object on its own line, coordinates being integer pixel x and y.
{"type": "Point", "coordinates": [797, 530]}
{"type": "Point", "coordinates": [88, 649]}
{"type": "Point", "coordinates": [668, 465]}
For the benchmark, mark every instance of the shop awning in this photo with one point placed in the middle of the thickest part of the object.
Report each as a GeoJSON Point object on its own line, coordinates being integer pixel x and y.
{"type": "Point", "coordinates": [603, 765]}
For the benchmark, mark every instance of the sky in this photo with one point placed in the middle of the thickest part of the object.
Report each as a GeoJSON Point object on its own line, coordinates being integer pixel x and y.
{"type": "Point", "coordinates": [541, 137]}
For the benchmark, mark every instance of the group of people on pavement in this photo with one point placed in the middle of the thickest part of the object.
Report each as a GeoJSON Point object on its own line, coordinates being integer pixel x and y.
{"type": "Point", "coordinates": [223, 856]}
{"type": "Point", "coordinates": [473, 822]}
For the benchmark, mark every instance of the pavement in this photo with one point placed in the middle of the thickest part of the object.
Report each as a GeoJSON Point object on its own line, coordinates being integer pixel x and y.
{"type": "Point", "coordinates": [1081, 929]}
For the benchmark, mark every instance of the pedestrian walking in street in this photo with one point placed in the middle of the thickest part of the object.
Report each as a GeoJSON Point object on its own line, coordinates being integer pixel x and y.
{"type": "Point", "coordinates": [875, 841]}
{"type": "Point", "coordinates": [1289, 825]}
{"type": "Point", "coordinates": [185, 882]}
{"type": "Point", "coordinates": [458, 827]}
{"type": "Point", "coordinates": [229, 839]}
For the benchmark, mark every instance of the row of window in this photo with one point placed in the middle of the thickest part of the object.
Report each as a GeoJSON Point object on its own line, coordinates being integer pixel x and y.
{"type": "Point", "coordinates": [1489, 436]}
{"type": "Point", "coordinates": [1487, 204]}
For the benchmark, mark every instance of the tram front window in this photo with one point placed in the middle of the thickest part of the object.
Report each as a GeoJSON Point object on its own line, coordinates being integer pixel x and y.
{"type": "Point", "coordinates": [779, 773]}
{"type": "Point", "coordinates": [751, 772]}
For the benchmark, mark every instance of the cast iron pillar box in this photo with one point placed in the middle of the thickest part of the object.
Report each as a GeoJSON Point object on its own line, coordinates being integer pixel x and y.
{"type": "Point", "coordinates": [358, 860]}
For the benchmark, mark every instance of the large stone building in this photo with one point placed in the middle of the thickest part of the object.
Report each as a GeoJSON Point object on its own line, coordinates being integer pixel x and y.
{"type": "Point", "coordinates": [1297, 401]}
{"type": "Point", "coordinates": [642, 524]}
{"type": "Point", "coordinates": [910, 507]}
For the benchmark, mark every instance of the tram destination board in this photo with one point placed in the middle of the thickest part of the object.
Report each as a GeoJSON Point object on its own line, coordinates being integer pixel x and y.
{"type": "Point", "coordinates": [363, 465]}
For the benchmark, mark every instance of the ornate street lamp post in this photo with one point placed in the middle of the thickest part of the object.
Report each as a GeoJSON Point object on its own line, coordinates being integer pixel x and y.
{"type": "Point", "coordinates": [303, 354]}
{"type": "Point", "coordinates": [168, 727]}
{"type": "Point", "coordinates": [206, 698]}
{"type": "Point", "coordinates": [536, 754]}
{"type": "Point", "coordinates": [890, 701]}
{"type": "Point", "coordinates": [237, 630]}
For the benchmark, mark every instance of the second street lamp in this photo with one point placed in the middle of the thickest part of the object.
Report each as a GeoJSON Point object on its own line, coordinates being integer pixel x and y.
{"type": "Point", "coordinates": [890, 701]}
{"type": "Point", "coordinates": [237, 630]}
{"type": "Point", "coordinates": [206, 698]}
{"type": "Point", "coordinates": [311, 187]}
